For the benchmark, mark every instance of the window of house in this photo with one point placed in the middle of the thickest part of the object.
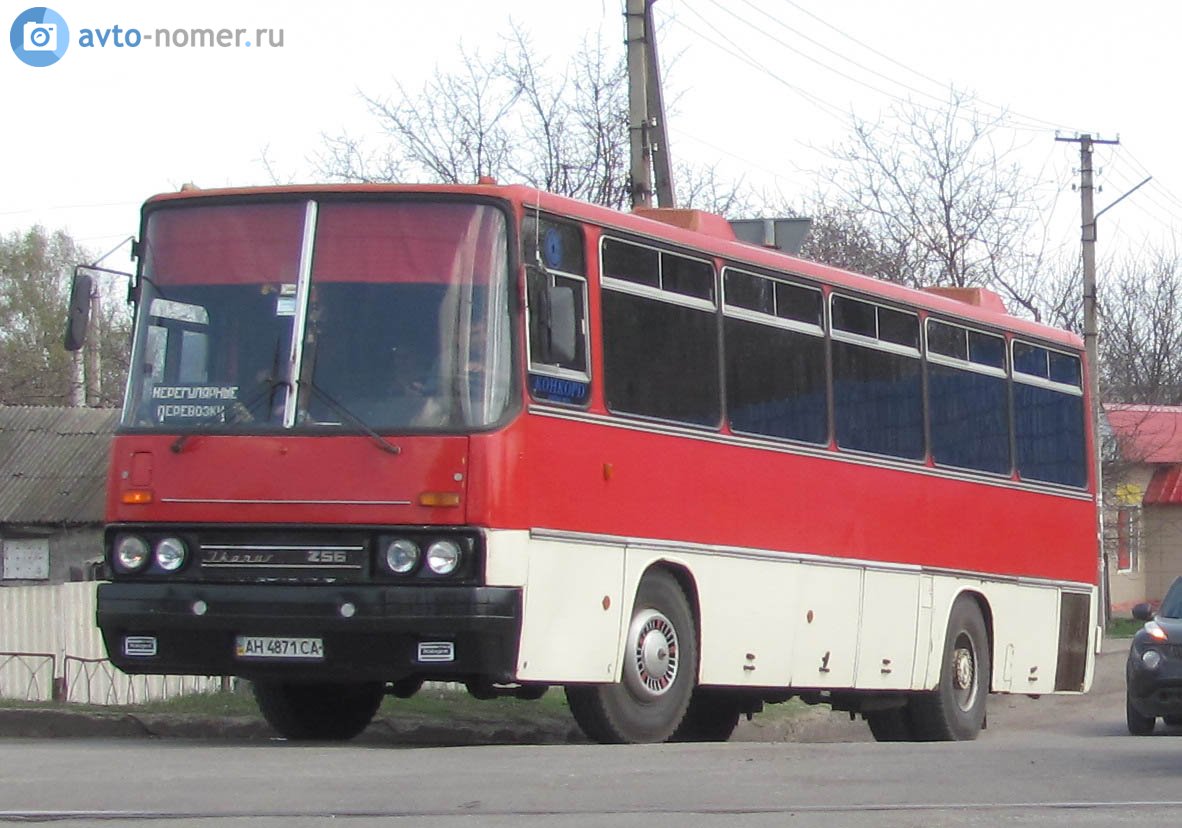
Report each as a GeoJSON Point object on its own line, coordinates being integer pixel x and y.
{"type": "Point", "coordinates": [1128, 539]}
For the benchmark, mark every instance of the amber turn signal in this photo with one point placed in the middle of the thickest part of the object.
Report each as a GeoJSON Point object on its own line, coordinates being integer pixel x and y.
{"type": "Point", "coordinates": [439, 499]}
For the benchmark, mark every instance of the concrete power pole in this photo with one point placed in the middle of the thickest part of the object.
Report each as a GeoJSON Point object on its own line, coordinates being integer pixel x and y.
{"type": "Point", "coordinates": [1090, 336]}
{"type": "Point", "coordinates": [648, 138]}
{"type": "Point", "coordinates": [642, 187]}
{"type": "Point", "coordinates": [93, 358]}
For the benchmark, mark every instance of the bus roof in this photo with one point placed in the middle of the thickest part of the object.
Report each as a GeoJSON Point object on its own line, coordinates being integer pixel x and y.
{"type": "Point", "coordinates": [703, 232]}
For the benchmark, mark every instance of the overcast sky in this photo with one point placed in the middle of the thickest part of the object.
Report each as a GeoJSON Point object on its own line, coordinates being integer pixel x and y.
{"type": "Point", "coordinates": [761, 86]}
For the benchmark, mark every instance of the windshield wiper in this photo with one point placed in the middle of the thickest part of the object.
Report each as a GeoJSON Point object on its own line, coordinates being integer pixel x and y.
{"type": "Point", "coordinates": [232, 412]}
{"type": "Point", "coordinates": [380, 441]}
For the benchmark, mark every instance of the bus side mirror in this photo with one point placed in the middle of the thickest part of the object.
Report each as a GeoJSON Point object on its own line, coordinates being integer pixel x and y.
{"type": "Point", "coordinates": [562, 329]}
{"type": "Point", "coordinates": [79, 313]}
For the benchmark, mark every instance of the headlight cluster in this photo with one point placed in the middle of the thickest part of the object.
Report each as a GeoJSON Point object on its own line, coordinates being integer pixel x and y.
{"type": "Point", "coordinates": [133, 553]}
{"type": "Point", "coordinates": [439, 557]}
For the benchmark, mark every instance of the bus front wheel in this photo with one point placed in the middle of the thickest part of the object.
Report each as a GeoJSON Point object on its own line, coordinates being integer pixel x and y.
{"type": "Point", "coordinates": [955, 711]}
{"type": "Point", "coordinates": [318, 712]}
{"type": "Point", "coordinates": [659, 672]}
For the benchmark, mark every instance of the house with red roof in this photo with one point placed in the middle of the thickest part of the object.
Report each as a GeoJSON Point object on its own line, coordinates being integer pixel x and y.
{"type": "Point", "coordinates": [1143, 502]}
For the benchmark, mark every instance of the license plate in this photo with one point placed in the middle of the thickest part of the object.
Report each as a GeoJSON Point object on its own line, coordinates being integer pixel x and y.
{"type": "Point", "coordinates": [437, 651]}
{"type": "Point", "coordinates": [259, 646]}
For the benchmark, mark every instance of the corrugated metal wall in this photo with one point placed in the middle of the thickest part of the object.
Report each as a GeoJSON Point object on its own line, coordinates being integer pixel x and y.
{"type": "Point", "coordinates": [48, 637]}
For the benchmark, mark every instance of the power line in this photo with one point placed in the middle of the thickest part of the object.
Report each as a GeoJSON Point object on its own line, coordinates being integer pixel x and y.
{"type": "Point", "coordinates": [1034, 123]}
{"type": "Point", "coordinates": [822, 46]}
{"type": "Point", "coordinates": [1163, 214]}
{"type": "Point", "coordinates": [738, 53]}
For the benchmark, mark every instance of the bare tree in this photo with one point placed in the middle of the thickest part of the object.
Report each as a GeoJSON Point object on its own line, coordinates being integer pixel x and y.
{"type": "Point", "coordinates": [706, 188]}
{"type": "Point", "coordinates": [1141, 325]}
{"type": "Point", "coordinates": [454, 130]}
{"type": "Point", "coordinates": [839, 236]}
{"type": "Point", "coordinates": [518, 119]}
{"type": "Point", "coordinates": [509, 117]}
{"type": "Point", "coordinates": [938, 192]}
{"type": "Point", "coordinates": [574, 123]}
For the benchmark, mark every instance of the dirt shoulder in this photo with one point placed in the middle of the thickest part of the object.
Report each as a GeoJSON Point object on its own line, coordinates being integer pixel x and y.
{"type": "Point", "coordinates": [1101, 708]}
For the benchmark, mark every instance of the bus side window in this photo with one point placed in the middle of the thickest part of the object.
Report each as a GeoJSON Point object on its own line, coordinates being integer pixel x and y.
{"type": "Point", "coordinates": [556, 297]}
{"type": "Point", "coordinates": [661, 350]}
{"type": "Point", "coordinates": [557, 322]}
{"type": "Point", "coordinates": [1049, 417]}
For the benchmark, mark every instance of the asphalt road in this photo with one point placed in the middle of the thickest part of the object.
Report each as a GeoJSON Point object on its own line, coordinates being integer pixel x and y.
{"type": "Point", "coordinates": [1054, 761]}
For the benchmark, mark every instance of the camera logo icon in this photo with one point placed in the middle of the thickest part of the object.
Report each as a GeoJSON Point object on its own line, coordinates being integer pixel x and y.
{"type": "Point", "coordinates": [39, 36]}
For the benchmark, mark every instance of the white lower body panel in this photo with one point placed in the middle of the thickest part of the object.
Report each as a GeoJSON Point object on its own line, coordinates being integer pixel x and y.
{"type": "Point", "coordinates": [771, 620]}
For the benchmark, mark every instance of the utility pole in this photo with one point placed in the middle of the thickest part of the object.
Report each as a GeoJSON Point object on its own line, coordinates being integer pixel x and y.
{"type": "Point", "coordinates": [659, 146]}
{"type": "Point", "coordinates": [93, 358]}
{"type": "Point", "coordinates": [648, 138]}
{"type": "Point", "coordinates": [642, 188]}
{"type": "Point", "coordinates": [1090, 331]}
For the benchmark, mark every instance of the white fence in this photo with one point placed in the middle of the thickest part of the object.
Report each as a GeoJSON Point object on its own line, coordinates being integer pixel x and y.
{"type": "Point", "coordinates": [50, 649]}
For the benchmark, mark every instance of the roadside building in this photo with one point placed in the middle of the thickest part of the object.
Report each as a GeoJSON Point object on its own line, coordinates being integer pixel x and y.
{"type": "Point", "coordinates": [1142, 502]}
{"type": "Point", "coordinates": [53, 464]}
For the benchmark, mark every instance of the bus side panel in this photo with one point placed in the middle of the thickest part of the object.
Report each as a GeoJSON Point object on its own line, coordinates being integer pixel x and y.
{"type": "Point", "coordinates": [1024, 618]}
{"type": "Point", "coordinates": [825, 648]}
{"type": "Point", "coordinates": [600, 475]}
{"type": "Point", "coordinates": [749, 610]}
{"type": "Point", "coordinates": [1026, 623]}
{"type": "Point", "coordinates": [572, 607]}
{"type": "Point", "coordinates": [886, 640]}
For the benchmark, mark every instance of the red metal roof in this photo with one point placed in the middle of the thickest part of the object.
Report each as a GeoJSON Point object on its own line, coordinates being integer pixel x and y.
{"type": "Point", "coordinates": [1165, 488]}
{"type": "Point", "coordinates": [1147, 433]}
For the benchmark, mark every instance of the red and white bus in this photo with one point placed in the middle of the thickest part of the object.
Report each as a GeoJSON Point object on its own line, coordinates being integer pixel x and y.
{"type": "Point", "coordinates": [382, 435]}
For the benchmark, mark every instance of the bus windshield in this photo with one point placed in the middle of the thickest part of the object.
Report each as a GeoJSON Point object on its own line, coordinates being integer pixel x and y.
{"type": "Point", "coordinates": [389, 315]}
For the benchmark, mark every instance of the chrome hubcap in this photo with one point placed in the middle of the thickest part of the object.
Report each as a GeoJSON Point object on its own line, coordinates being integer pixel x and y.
{"type": "Point", "coordinates": [655, 652]}
{"type": "Point", "coordinates": [964, 674]}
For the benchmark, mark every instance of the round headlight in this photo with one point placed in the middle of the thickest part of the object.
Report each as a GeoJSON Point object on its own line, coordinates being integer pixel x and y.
{"type": "Point", "coordinates": [1151, 659]}
{"type": "Point", "coordinates": [131, 554]}
{"type": "Point", "coordinates": [402, 555]}
{"type": "Point", "coordinates": [171, 554]}
{"type": "Point", "coordinates": [443, 557]}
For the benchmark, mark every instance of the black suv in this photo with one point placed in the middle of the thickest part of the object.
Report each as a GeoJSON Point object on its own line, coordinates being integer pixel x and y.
{"type": "Point", "coordinates": [1153, 675]}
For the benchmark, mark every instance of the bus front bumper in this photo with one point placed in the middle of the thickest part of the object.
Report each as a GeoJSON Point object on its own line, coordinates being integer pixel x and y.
{"type": "Point", "coordinates": [355, 632]}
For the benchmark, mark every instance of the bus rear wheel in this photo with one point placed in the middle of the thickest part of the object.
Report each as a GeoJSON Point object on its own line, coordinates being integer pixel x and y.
{"type": "Point", "coordinates": [956, 710]}
{"type": "Point", "coordinates": [891, 725]}
{"type": "Point", "coordinates": [659, 672]}
{"type": "Point", "coordinates": [712, 716]}
{"type": "Point", "coordinates": [318, 712]}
